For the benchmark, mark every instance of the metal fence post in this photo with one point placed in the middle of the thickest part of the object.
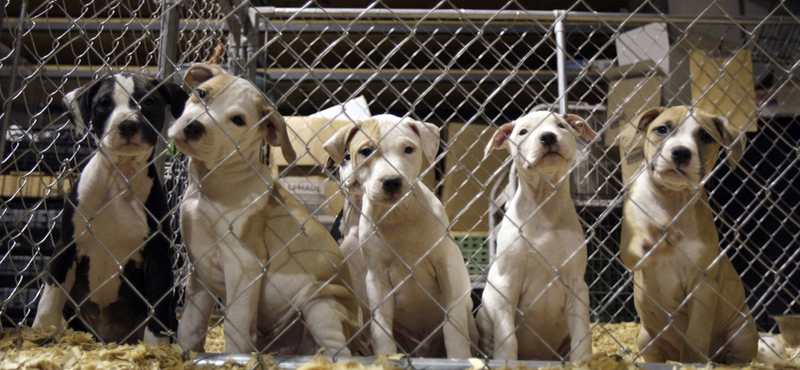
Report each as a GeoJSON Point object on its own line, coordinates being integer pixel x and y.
{"type": "Point", "coordinates": [167, 60]}
{"type": "Point", "coordinates": [561, 75]}
{"type": "Point", "coordinates": [252, 26]}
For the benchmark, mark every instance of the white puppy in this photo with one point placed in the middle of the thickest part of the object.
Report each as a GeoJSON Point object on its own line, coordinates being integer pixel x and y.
{"type": "Point", "coordinates": [418, 286]}
{"type": "Point", "coordinates": [250, 242]}
{"type": "Point", "coordinates": [687, 293]}
{"type": "Point", "coordinates": [536, 302]}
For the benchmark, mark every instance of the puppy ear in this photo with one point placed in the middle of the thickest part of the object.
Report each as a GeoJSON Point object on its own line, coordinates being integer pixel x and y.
{"type": "Point", "coordinates": [643, 120]}
{"type": "Point", "coordinates": [79, 106]}
{"type": "Point", "coordinates": [173, 95]}
{"type": "Point", "coordinates": [732, 139]}
{"type": "Point", "coordinates": [276, 134]}
{"type": "Point", "coordinates": [499, 139]}
{"type": "Point", "coordinates": [639, 125]}
{"type": "Point", "coordinates": [429, 137]}
{"type": "Point", "coordinates": [336, 146]}
{"type": "Point", "coordinates": [330, 164]}
{"type": "Point", "coordinates": [199, 73]}
{"type": "Point", "coordinates": [580, 126]}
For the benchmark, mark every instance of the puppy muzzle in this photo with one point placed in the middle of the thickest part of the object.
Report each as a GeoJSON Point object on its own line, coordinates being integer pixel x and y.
{"type": "Point", "coordinates": [193, 131]}
{"type": "Point", "coordinates": [681, 156]}
{"type": "Point", "coordinates": [127, 129]}
{"type": "Point", "coordinates": [391, 185]}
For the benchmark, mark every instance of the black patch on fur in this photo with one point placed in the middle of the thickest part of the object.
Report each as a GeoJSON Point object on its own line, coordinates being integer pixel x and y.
{"type": "Point", "coordinates": [336, 231]}
{"type": "Point", "coordinates": [65, 251]}
{"type": "Point", "coordinates": [153, 279]}
{"type": "Point", "coordinates": [148, 99]}
{"type": "Point", "coordinates": [157, 258]}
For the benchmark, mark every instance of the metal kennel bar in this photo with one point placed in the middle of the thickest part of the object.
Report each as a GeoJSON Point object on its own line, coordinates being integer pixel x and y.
{"type": "Point", "coordinates": [500, 15]}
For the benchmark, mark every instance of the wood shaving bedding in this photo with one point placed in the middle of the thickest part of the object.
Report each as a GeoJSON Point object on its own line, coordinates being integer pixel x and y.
{"type": "Point", "coordinates": [69, 349]}
{"type": "Point", "coordinates": [614, 346]}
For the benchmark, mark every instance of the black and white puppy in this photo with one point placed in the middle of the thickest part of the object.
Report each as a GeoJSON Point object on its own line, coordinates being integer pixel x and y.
{"type": "Point", "coordinates": [111, 272]}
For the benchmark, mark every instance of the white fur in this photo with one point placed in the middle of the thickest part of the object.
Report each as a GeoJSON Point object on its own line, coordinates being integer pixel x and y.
{"type": "Point", "coordinates": [536, 297]}
{"type": "Point", "coordinates": [410, 256]}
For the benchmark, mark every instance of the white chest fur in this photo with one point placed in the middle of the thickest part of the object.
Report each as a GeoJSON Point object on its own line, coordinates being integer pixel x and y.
{"type": "Point", "coordinates": [110, 223]}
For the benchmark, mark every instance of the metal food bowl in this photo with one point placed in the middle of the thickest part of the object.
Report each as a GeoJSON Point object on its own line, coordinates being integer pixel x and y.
{"type": "Point", "coordinates": [790, 328]}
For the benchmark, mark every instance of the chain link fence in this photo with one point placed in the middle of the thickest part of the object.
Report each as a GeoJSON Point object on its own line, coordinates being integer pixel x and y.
{"type": "Point", "coordinates": [465, 70]}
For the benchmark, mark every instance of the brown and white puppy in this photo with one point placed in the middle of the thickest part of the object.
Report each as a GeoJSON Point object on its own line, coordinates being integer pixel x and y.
{"type": "Point", "coordinates": [688, 295]}
{"type": "Point", "coordinates": [417, 284]}
{"type": "Point", "coordinates": [250, 242]}
{"type": "Point", "coordinates": [536, 301]}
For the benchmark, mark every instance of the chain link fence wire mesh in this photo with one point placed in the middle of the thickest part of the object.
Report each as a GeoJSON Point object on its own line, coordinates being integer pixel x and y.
{"type": "Point", "coordinates": [464, 69]}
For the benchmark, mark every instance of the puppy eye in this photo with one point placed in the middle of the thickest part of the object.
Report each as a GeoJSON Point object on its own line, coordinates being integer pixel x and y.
{"type": "Point", "coordinates": [661, 130]}
{"type": "Point", "coordinates": [365, 152]}
{"type": "Point", "coordinates": [238, 120]}
{"type": "Point", "coordinates": [409, 150]}
{"type": "Point", "coordinates": [347, 157]}
{"type": "Point", "coordinates": [148, 102]}
{"type": "Point", "coordinates": [562, 126]}
{"type": "Point", "coordinates": [105, 103]}
{"type": "Point", "coordinates": [523, 132]}
{"type": "Point", "coordinates": [201, 94]}
{"type": "Point", "coordinates": [706, 137]}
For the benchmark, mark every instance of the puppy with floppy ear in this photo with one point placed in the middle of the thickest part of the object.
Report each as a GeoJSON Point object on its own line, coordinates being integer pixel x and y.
{"type": "Point", "coordinates": [251, 243]}
{"type": "Point", "coordinates": [416, 278]}
{"type": "Point", "coordinates": [536, 302]}
{"type": "Point", "coordinates": [114, 258]}
{"type": "Point", "coordinates": [670, 242]}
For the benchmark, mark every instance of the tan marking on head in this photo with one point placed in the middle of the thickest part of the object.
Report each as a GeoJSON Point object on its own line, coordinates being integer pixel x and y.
{"type": "Point", "coordinates": [368, 136]}
{"type": "Point", "coordinates": [212, 87]}
{"type": "Point", "coordinates": [670, 116]}
{"type": "Point", "coordinates": [199, 73]}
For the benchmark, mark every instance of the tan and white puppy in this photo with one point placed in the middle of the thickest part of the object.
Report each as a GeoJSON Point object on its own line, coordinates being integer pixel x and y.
{"type": "Point", "coordinates": [417, 284]}
{"type": "Point", "coordinates": [349, 244]}
{"type": "Point", "coordinates": [250, 242]}
{"type": "Point", "coordinates": [688, 295]}
{"type": "Point", "coordinates": [536, 302]}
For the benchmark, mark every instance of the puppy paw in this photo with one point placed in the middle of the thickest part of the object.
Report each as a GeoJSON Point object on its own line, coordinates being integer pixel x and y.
{"type": "Point", "coordinates": [660, 237]}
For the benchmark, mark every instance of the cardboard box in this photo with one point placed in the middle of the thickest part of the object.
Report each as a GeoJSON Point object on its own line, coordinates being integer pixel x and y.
{"type": "Point", "coordinates": [723, 85]}
{"type": "Point", "coordinates": [627, 98]}
{"type": "Point", "coordinates": [783, 99]}
{"type": "Point", "coordinates": [649, 42]}
{"type": "Point", "coordinates": [307, 135]}
{"type": "Point", "coordinates": [469, 178]}
{"type": "Point", "coordinates": [33, 185]}
{"type": "Point", "coordinates": [319, 194]}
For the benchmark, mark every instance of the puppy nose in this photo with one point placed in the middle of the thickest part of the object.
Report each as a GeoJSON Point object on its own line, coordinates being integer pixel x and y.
{"type": "Point", "coordinates": [390, 184]}
{"type": "Point", "coordinates": [128, 128]}
{"type": "Point", "coordinates": [548, 138]}
{"type": "Point", "coordinates": [194, 130]}
{"type": "Point", "coordinates": [681, 155]}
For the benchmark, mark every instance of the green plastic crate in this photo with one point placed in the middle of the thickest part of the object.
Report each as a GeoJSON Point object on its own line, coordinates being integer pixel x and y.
{"type": "Point", "coordinates": [475, 249]}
